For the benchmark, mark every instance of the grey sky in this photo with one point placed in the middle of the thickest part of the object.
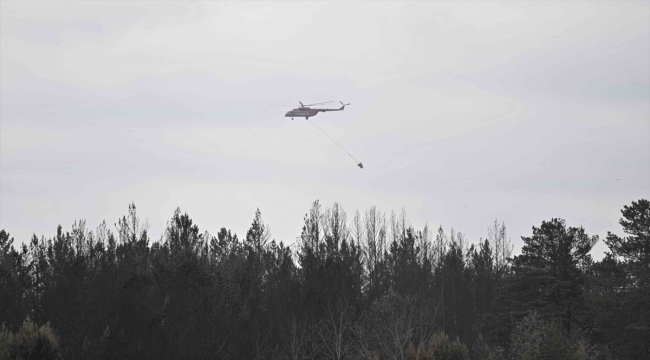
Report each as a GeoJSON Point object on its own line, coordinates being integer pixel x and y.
{"type": "Point", "coordinates": [462, 113]}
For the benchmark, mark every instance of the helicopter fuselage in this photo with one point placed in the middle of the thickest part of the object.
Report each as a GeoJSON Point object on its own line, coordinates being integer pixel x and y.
{"type": "Point", "coordinates": [302, 112]}
{"type": "Point", "coordinates": [308, 112]}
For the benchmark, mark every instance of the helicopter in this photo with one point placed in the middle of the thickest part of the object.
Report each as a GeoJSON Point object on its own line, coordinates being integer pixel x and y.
{"type": "Point", "coordinates": [306, 112]}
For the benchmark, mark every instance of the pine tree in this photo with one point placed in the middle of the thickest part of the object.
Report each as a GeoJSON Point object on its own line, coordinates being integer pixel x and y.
{"type": "Point", "coordinates": [549, 273]}
{"type": "Point", "coordinates": [627, 280]}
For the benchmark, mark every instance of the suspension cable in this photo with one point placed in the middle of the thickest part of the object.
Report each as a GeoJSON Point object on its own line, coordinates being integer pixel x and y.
{"type": "Point", "coordinates": [356, 161]}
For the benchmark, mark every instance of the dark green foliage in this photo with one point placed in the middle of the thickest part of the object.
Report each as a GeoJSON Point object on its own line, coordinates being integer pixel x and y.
{"type": "Point", "coordinates": [622, 282]}
{"type": "Point", "coordinates": [635, 249]}
{"type": "Point", "coordinates": [456, 293]}
{"type": "Point", "coordinates": [13, 281]}
{"type": "Point", "coordinates": [536, 339]}
{"type": "Point", "coordinates": [548, 276]}
{"type": "Point", "coordinates": [30, 342]}
{"type": "Point", "coordinates": [362, 288]}
{"type": "Point", "coordinates": [440, 348]}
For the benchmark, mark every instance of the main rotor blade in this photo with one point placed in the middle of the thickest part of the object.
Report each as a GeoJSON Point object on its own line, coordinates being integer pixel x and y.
{"type": "Point", "coordinates": [326, 102]}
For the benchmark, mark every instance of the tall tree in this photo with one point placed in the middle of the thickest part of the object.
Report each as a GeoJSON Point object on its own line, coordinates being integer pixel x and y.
{"type": "Point", "coordinates": [455, 282]}
{"type": "Point", "coordinates": [13, 281]}
{"type": "Point", "coordinates": [502, 251]}
{"type": "Point", "coordinates": [374, 250]}
{"type": "Point", "coordinates": [635, 248]}
{"type": "Point", "coordinates": [548, 275]}
{"type": "Point", "coordinates": [622, 285]}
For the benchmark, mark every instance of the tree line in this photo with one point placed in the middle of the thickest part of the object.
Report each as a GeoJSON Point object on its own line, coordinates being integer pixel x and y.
{"type": "Point", "coordinates": [369, 286]}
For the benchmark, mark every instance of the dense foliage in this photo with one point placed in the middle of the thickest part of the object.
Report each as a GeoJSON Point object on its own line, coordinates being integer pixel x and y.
{"type": "Point", "coordinates": [369, 287]}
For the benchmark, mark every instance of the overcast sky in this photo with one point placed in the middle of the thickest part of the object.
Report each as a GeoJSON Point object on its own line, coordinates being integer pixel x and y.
{"type": "Point", "coordinates": [462, 113]}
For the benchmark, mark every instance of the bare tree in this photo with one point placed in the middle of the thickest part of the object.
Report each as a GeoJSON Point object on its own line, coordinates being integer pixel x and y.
{"type": "Point", "coordinates": [372, 224]}
{"type": "Point", "coordinates": [130, 229]}
{"type": "Point", "coordinates": [334, 224]}
{"type": "Point", "coordinates": [440, 246]}
{"type": "Point", "coordinates": [375, 242]}
{"type": "Point", "coordinates": [364, 338]}
{"type": "Point", "coordinates": [297, 336]}
{"type": "Point", "coordinates": [440, 250]}
{"type": "Point", "coordinates": [393, 225]}
{"type": "Point", "coordinates": [393, 323]}
{"type": "Point", "coordinates": [502, 245]}
{"type": "Point", "coordinates": [399, 331]}
{"type": "Point", "coordinates": [458, 239]}
{"type": "Point", "coordinates": [403, 224]}
{"type": "Point", "coordinates": [311, 232]}
{"type": "Point", "coordinates": [425, 325]}
{"type": "Point", "coordinates": [357, 228]}
{"type": "Point", "coordinates": [425, 243]}
{"type": "Point", "coordinates": [335, 330]}
{"type": "Point", "coordinates": [261, 344]}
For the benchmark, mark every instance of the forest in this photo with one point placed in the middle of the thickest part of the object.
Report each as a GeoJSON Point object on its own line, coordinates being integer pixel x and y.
{"type": "Point", "coordinates": [361, 286]}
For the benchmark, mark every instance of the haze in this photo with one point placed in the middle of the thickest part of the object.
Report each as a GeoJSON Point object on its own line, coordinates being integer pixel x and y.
{"type": "Point", "coordinates": [462, 113]}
